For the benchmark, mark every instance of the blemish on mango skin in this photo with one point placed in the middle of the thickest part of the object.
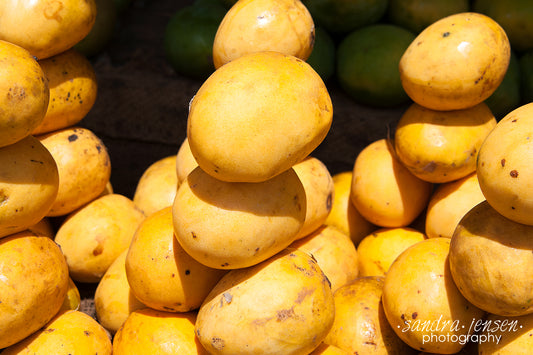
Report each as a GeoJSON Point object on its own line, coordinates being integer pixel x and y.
{"type": "Point", "coordinates": [53, 11]}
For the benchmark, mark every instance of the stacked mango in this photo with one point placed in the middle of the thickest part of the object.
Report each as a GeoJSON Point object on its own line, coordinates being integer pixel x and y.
{"type": "Point", "coordinates": [52, 168]}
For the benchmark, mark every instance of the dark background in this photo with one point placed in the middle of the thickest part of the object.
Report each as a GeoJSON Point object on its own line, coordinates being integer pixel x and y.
{"type": "Point", "coordinates": [141, 109]}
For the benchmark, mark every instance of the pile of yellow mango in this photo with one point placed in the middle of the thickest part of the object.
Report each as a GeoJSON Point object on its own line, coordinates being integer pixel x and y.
{"type": "Point", "coordinates": [242, 242]}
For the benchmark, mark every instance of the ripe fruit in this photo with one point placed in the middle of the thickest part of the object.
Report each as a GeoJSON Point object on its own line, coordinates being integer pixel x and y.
{"type": "Point", "coordinates": [334, 253]}
{"type": "Point", "coordinates": [503, 166]}
{"type": "Point", "coordinates": [230, 225]}
{"type": "Point", "coordinates": [250, 26]}
{"type": "Point", "coordinates": [113, 299]}
{"type": "Point", "coordinates": [157, 186]}
{"type": "Point", "coordinates": [108, 224]}
{"type": "Point", "coordinates": [471, 52]}
{"type": "Point", "coordinates": [442, 146]}
{"type": "Point", "coordinates": [257, 116]}
{"type": "Point", "coordinates": [383, 190]}
{"type": "Point", "coordinates": [160, 273]}
{"type": "Point", "coordinates": [449, 203]}
{"type": "Point", "coordinates": [360, 325]}
{"type": "Point", "coordinates": [378, 250]}
{"type": "Point", "coordinates": [367, 64]}
{"type": "Point", "coordinates": [242, 316]}
{"type": "Point", "coordinates": [29, 184]}
{"type": "Point", "coordinates": [343, 214]}
{"type": "Point", "coordinates": [148, 331]}
{"type": "Point", "coordinates": [73, 90]}
{"type": "Point", "coordinates": [50, 27]}
{"type": "Point", "coordinates": [318, 186]}
{"type": "Point", "coordinates": [71, 148]}
{"type": "Point", "coordinates": [420, 290]}
{"type": "Point", "coordinates": [34, 284]}
{"type": "Point", "coordinates": [71, 331]}
{"type": "Point", "coordinates": [489, 256]}
{"type": "Point", "coordinates": [26, 93]}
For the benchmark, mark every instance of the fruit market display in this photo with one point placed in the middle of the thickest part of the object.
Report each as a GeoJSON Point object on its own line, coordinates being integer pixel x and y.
{"type": "Point", "coordinates": [243, 241]}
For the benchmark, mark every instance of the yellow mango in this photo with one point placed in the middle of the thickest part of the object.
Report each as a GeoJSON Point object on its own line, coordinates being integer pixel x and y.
{"type": "Point", "coordinates": [257, 116]}
{"type": "Point", "coordinates": [456, 62]}
{"type": "Point", "coordinates": [249, 26]}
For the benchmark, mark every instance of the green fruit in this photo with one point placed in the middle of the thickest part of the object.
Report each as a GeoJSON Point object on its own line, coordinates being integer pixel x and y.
{"type": "Point", "coordinates": [340, 17]}
{"type": "Point", "coordinates": [415, 15]}
{"type": "Point", "coordinates": [322, 58]}
{"type": "Point", "coordinates": [189, 36]}
{"type": "Point", "coordinates": [507, 96]}
{"type": "Point", "coordinates": [526, 74]}
{"type": "Point", "coordinates": [102, 31]}
{"type": "Point", "coordinates": [367, 64]}
{"type": "Point", "coordinates": [516, 18]}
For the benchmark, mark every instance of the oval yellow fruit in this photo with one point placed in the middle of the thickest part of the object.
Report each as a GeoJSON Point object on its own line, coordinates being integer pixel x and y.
{"type": "Point", "coordinates": [449, 203]}
{"type": "Point", "coordinates": [230, 225]}
{"type": "Point", "coordinates": [149, 331]}
{"type": "Point", "coordinates": [490, 256]}
{"type": "Point", "coordinates": [334, 253]}
{"type": "Point", "coordinates": [504, 165]}
{"type": "Point", "coordinates": [108, 224]}
{"type": "Point", "coordinates": [157, 186]}
{"type": "Point", "coordinates": [35, 279]}
{"type": "Point", "coordinates": [185, 162]}
{"type": "Point", "coordinates": [84, 167]}
{"type": "Point", "coordinates": [422, 303]}
{"type": "Point", "coordinates": [506, 335]}
{"type": "Point", "coordinates": [29, 185]}
{"type": "Point", "coordinates": [242, 316]}
{"type": "Point", "coordinates": [49, 26]}
{"type": "Point", "coordinates": [383, 190]}
{"type": "Point", "coordinates": [160, 273]}
{"type": "Point", "coordinates": [257, 116]}
{"type": "Point", "coordinates": [113, 299]}
{"type": "Point", "coordinates": [25, 96]}
{"type": "Point", "coordinates": [73, 90]}
{"type": "Point", "coordinates": [318, 186]}
{"type": "Point", "coordinates": [69, 332]}
{"type": "Point", "coordinates": [378, 250]}
{"type": "Point", "coordinates": [343, 214]}
{"type": "Point", "coordinates": [456, 62]}
{"type": "Point", "coordinates": [442, 146]}
{"type": "Point", "coordinates": [249, 26]}
{"type": "Point", "coordinates": [360, 325]}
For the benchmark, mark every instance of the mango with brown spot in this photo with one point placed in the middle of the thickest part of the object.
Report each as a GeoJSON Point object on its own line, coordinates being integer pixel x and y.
{"type": "Point", "coordinates": [243, 315]}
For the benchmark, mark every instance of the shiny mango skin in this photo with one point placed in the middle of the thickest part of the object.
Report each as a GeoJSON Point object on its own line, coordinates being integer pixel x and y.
{"type": "Point", "coordinates": [84, 167]}
{"type": "Point", "coordinates": [149, 331]}
{"type": "Point", "coordinates": [442, 146]}
{"type": "Point", "coordinates": [383, 190]}
{"type": "Point", "coordinates": [258, 219]}
{"type": "Point", "coordinates": [73, 90]}
{"type": "Point", "coordinates": [241, 314]}
{"type": "Point", "coordinates": [35, 279]}
{"type": "Point", "coordinates": [360, 326]}
{"type": "Point", "coordinates": [71, 332]}
{"type": "Point", "coordinates": [29, 184]}
{"type": "Point", "coordinates": [113, 299]}
{"type": "Point", "coordinates": [46, 27]}
{"type": "Point", "coordinates": [284, 26]}
{"type": "Point", "coordinates": [419, 288]}
{"type": "Point", "coordinates": [25, 95]}
{"type": "Point", "coordinates": [456, 62]}
{"type": "Point", "coordinates": [490, 258]}
{"type": "Point", "coordinates": [257, 116]}
{"type": "Point", "coordinates": [504, 165]}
